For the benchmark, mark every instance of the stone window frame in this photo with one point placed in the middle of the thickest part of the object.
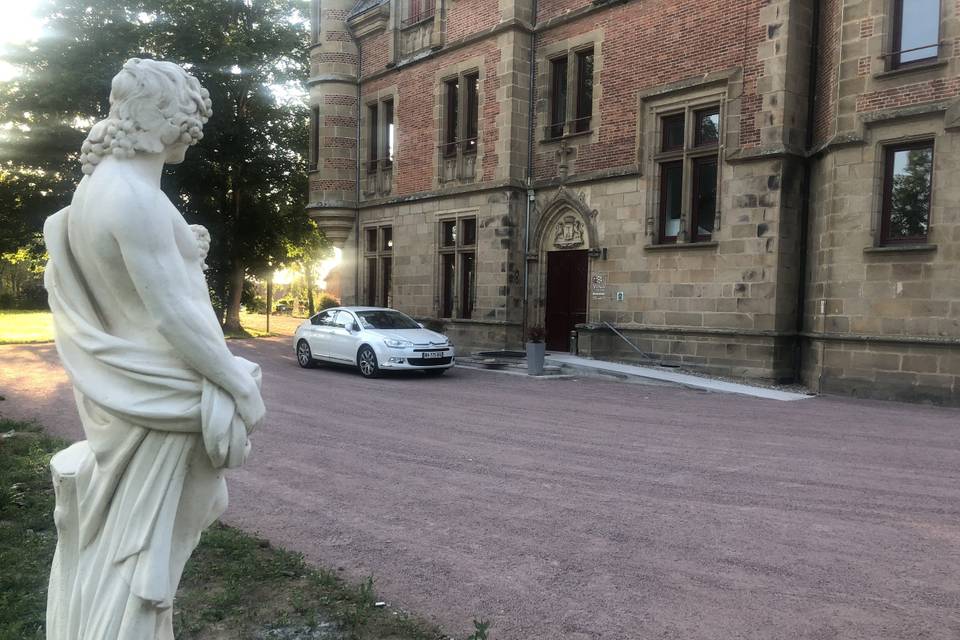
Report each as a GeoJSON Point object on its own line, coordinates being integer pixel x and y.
{"type": "Point", "coordinates": [569, 48]}
{"type": "Point", "coordinates": [471, 66]}
{"type": "Point", "coordinates": [892, 133]}
{"type": "Point", "coordinates": [653, 108]}
{"type": "Point", "coordinates": [458, 250]}
{"type": "Point", "coordinates": [891, 57]}
{"type": "Point", "coordinates": [379, 254]}
{"type": "Point", "coordinates": [380, 166]}
{"type": "Point", "coordinates": [887, 191]}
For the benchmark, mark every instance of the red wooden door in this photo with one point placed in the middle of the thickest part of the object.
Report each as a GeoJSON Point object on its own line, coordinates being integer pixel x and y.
{"type": "Point", "coordinates": [566, 296]}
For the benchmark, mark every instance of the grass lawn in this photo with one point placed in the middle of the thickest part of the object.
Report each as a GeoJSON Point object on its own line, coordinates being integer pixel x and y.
{"type": "Point", "coordinates": [256, 324]}
{"type": "Point", "coordinates": [20, 327]}
{"type": "Point", "coordinates": [235, 587]}
{"type": "Point", "coordinates": [25, 326]}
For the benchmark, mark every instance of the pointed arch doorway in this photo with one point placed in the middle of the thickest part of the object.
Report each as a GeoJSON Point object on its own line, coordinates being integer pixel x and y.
{"type": "Point", "coordinates": [565, 237]}
{"type": "Point", "coordinates": [566, 300]}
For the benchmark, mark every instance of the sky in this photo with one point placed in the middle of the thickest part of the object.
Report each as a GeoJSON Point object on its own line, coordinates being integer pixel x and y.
{"type": "Point", "coordinates": [17, 24]}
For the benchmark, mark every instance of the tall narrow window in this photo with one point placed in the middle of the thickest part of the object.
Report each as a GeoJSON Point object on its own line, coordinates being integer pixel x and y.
{"type": "Point", "coordinates": [388, 131]}
{"type": "Point", "coordinates": [468, 266]}
{"type": "Point", "coordinates": [458, 267]}
{"type": "Point", "coordinates": [671, 200]}
{"type": "Point", "coordinates": [584, 91]}
{"type": "Point", "coordinates": [378, 263]}
{"type": "Point", "coordinates": [688, 159]}
{"type": "Point", "coordinates": [468, 270]}
{"type": "Point", "coordinates": [558, 96]}
{"type": "Point", "coordinates": [907, 187]}
{"type": "Point", "coordinates": [372, 131]}
{"type": "Point", "coordinates": [452, 117]}
{"type": "Point", "coordinates": [916, 31]}
{"type": "Point", "coordinates": [371, 297]}
{"type": "Point", "coordinates": [704, 206]}
{"type": "Point", "coordinates": [314, 137]}
{"type": "Point", "coordinates": [472, 85]}
{"type": "Point", "coordinates": [448, 272]}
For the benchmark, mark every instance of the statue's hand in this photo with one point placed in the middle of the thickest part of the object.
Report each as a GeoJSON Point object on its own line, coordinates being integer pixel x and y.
{"type": "Point", "coordinates": [250, 407]}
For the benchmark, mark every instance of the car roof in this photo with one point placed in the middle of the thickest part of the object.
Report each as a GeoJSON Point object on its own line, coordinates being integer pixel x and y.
{"type": "Point", "coordinates": [355, 309]}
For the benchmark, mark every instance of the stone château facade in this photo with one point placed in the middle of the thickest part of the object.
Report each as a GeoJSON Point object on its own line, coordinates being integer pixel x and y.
{"type": "Point", "coordinates": [757, 188]}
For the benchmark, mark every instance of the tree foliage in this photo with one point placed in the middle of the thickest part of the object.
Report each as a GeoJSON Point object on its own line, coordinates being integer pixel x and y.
{"type": "Point", "coordinates": [245, 181]}
{"type": "Point", "coordinates": [910, 210]}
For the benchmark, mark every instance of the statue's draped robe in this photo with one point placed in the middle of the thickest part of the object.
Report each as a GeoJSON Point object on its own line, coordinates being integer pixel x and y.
{"type": "Point", "coordinates": [133, 498]}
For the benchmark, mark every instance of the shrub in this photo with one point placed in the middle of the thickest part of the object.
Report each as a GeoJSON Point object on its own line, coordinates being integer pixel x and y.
{"type": "Point", "coordinates": [33, 297]}
{"type": "Point", "coordinates": [327, 301]}
{"type": "Point", "coordinates": [536, 333]}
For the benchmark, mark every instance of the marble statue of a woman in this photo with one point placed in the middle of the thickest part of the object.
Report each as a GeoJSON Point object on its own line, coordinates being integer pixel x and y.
{"type": "Point", "coordinates": [165, 406]}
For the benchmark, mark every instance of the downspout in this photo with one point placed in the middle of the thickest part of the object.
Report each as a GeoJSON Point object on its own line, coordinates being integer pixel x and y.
{"type": "Point", "coordinates": [807, 185]}
{"type": "Point", "coordinates": [530, 194]}
{"type": "Point", "coordinates": [356, 218]}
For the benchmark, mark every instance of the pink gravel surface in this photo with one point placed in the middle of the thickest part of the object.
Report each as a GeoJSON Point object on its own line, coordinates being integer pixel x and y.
{"type": "Point", "coordinates": [575, 509]}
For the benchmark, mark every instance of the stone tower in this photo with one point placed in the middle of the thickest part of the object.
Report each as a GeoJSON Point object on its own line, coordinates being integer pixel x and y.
{"type": "Point", "coordinates": [334, 67]}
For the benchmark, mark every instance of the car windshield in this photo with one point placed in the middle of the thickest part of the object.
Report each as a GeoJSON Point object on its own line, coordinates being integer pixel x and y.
{"type": "Point", "coordinates": [383, 319]}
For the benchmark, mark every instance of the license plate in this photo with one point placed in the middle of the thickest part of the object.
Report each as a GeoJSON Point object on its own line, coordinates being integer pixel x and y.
{"type": "Point", "coordinates": [432, 354]}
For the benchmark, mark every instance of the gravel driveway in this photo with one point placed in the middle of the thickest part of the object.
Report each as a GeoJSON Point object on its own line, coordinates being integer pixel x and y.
{"type": "Point", "coordinates": [575, 509]}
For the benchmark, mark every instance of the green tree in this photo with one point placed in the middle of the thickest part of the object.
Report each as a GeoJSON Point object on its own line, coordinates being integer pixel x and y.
{"type": "Point", "coordinates": [910, 210]}
{"type": "Point", "coordinates": [306, 254]}
{"type": "Point", "coordinates": [245, 181]}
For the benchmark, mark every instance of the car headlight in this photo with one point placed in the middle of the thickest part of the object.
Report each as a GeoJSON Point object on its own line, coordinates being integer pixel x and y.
{"type": "Point", "coordinates": [397, 344]}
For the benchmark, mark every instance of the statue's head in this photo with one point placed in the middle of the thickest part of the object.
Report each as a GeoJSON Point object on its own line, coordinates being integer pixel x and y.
{"type": "Point", "coordinates": [155, 107]}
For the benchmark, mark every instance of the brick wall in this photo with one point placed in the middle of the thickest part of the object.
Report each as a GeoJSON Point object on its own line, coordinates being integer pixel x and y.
{"type": "Point", "coordinates": [828, 59]}
{"type": "Point", "coordinates": [675, 40]}
{"type": "Point", "coordinates": [375, 52]}
{"type": "Point", "coordinates": [466, 17]}
{"type": "Point", "coordinates": [418, 120]}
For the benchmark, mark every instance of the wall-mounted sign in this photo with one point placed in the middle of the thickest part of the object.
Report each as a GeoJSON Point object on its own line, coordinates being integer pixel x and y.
{"type": "Point", "coordinates": [598, 285]}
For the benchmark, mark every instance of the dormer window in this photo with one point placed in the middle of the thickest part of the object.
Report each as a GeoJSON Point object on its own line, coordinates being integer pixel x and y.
{"type": "Point", "coordinates": [416, 11]}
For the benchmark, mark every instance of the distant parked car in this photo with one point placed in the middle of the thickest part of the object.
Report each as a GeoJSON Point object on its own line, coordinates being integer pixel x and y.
{"type": "Point", "coordinates": [374, 339]}
{"type": "Point", "coordinates": [284, 307]}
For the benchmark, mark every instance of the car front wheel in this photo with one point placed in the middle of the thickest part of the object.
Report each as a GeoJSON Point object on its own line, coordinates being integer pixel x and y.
{"type": "Point", "coordinates": [367, 361]}
{"type": "Point", "coordinates": [304, 356]}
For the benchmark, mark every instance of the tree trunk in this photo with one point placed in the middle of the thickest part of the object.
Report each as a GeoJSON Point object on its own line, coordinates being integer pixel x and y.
{"type": "Point", "coordinates": [308, 277]}
{"type": "Point", "coordinates": [231, 323]}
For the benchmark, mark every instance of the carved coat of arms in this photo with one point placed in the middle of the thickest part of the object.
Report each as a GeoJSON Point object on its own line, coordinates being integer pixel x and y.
{"type": "Point", "coordinates": [568, 233]}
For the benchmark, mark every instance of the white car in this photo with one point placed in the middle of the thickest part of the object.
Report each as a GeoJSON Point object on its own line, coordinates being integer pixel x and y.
{"type": "Point", "coordinates": [373, 339]}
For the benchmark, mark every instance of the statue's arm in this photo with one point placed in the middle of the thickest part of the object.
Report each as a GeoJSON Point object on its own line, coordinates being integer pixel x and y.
{"type": "Point", "coordinates": [145, 236]}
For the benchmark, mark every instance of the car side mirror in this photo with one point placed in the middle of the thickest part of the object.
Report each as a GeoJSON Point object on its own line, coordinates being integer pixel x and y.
{"type": "Point", "coordinates": [354, 327]}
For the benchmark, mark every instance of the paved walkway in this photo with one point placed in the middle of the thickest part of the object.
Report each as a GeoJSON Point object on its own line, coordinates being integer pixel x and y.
{"type": "Point", "coordinates": [583, 509]}
{"type": "Point", "coordinates": [588, 365]}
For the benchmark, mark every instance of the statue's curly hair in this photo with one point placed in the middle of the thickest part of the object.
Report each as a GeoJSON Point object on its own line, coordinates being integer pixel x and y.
{"type": "Point", "coordinates": [153, 105]}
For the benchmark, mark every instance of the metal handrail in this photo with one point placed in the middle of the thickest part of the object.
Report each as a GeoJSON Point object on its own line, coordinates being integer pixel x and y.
{"type": "Point", "coordinates": [445, 147]}
{"type": "Point", "coordinates": [926, 46]}
{"type": "Point", "coordinates": [625, 339]}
